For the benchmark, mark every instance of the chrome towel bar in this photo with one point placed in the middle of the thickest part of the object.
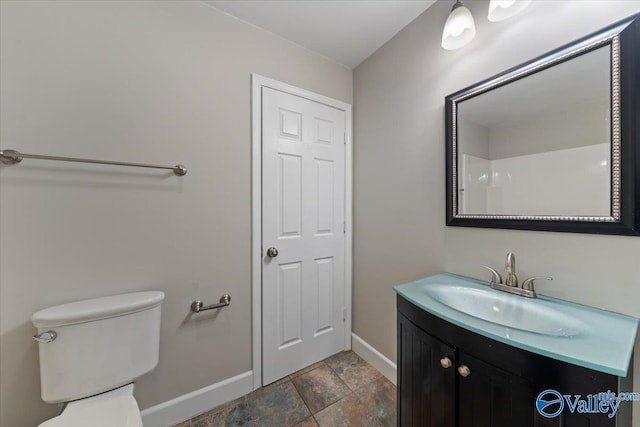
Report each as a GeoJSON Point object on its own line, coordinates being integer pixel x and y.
{"type": "Point", "coordinates": [198, 306]}
{"type": "Point", "coordinates": [11, 157]}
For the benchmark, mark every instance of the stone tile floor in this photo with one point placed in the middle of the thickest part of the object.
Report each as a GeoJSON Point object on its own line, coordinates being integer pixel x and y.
{"type": "Point", "coordinates": [342, 390]}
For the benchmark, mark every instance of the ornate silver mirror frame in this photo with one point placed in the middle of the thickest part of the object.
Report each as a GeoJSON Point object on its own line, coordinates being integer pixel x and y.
{"type": "Point", "coordinates": [623, 38]}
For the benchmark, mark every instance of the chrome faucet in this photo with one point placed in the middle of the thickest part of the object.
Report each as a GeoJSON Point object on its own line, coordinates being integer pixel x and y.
{"type": "Point", "coordinates": [510, 278]}
{"type": "Point", "coordinates": [510, 283]}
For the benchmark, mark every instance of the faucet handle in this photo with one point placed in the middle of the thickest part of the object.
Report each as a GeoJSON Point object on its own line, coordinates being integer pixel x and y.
{"type": "Point", "coordinates": [495, 276]}
{"type": "Point", "coordinates": [528, 284]}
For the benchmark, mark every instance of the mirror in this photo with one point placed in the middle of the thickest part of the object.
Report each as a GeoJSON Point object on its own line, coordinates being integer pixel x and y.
{"type": "Point", "coordinates": [551, 144]}
{"type": "Point", "coordinates": [546, 155]}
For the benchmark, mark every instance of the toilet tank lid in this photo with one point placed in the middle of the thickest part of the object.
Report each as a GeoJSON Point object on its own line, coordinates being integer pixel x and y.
{"type": "Point", "coordinates": [96, 309]}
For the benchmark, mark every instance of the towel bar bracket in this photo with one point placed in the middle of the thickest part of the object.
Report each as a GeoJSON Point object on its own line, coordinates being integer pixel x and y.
{"type": "Point", "coordinates": [10, 157]}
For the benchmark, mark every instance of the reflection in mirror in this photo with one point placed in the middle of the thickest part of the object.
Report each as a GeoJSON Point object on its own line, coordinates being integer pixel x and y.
{"type": "Point", "coordinates": [540, 145]}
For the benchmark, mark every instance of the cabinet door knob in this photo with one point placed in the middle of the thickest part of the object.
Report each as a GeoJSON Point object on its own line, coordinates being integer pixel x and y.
{"type": "Point", "coordinates": [464, 371]}
{"type": "Point", "coordinates": [445, 362]}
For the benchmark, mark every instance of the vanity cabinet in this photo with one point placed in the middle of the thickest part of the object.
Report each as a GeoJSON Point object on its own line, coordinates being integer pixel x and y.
{"type": "Point", "coordinates": [499, 386]}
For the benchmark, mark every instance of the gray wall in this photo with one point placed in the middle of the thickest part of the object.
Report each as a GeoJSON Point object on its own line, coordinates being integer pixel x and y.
{"type": "Point", "coordinates": [473, 139]}
{"type": "Point", "coordinates": [149, 81]}
{"type": "Point", "coordinates": [400, 232]}
{"type": "Point", "coordinates": [587, 124]}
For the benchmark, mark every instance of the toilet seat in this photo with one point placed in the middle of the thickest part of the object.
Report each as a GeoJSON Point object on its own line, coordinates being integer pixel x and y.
{"type": "Point", "coordinates": [114, 408]}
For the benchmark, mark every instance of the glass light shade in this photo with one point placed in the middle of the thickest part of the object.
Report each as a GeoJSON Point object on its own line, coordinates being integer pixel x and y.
{"type": "Point", "coordinates": [500, 10]}
{"type": "Point", "coordinates": [459, 28]}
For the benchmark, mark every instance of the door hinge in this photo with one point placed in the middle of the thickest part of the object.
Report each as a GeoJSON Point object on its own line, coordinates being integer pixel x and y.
{"type": "Point", "coordinates": [344, 138]}
{"type": "Point", "coordinates": [344, 227]}
{"type": "Point", "coordinates": [344, 314]}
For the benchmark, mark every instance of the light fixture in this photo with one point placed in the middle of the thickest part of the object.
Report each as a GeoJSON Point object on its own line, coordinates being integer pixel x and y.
{"type": "Point", "coordinates": [500, 10]}
{"type": "Point", "coordinates": [459, 28]}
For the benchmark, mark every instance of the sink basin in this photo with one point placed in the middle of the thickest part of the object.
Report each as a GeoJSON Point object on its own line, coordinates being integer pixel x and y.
{"type": "Point", "coordinates": [508, 310]}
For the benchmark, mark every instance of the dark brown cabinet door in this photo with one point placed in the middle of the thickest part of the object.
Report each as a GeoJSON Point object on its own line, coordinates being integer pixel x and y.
{"type": "Point", "coordinates": [491, 397]}
{"type": "Point", "coordinates": [426, 374]}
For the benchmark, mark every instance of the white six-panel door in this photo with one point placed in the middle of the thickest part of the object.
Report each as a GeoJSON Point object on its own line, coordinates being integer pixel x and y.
{"type": "Point", "coordinates": [303, 201]}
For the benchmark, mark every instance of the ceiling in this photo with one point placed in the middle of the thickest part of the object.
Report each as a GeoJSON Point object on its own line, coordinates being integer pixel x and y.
{"type": "Point", "coordinates": [346, 31]}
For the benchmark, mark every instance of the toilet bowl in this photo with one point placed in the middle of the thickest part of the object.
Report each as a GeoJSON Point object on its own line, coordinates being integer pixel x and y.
{"type": "Point", "coordinates": [113, 408]}
{"type": "Point", "coordinates": [92, 351]}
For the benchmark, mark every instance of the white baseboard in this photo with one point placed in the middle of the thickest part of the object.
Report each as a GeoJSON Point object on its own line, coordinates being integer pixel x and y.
{"type": "Point", "coordinates": [191, 404]}
{"type": "Point", "coordinates": [374, 357]}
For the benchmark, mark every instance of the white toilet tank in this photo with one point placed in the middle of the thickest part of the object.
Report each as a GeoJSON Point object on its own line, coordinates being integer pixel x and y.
{"type": "Point", "coordinates": [100, 344]}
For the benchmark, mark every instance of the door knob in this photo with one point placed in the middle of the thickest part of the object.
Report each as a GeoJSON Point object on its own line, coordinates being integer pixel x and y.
{"type": "Point", "coordinates": [445, 362]}
{"type": "Point", "coordinates": [464, 371]}
{"type": "Point", "coordinates": [272, 252]}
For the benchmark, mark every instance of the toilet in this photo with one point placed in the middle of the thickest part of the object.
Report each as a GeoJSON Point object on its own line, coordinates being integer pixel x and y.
{"type": "Point", "coordinates": [92, 351]}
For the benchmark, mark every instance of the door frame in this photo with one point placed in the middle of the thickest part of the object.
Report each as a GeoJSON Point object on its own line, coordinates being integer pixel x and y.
{"type": "Point", "coordinates": [257, 83]}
